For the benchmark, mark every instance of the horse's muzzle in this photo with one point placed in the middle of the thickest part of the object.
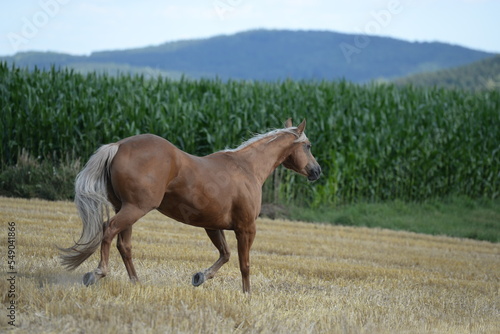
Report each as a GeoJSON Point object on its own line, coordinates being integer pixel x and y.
{"type": "Point", "coordinates": [314, 173]}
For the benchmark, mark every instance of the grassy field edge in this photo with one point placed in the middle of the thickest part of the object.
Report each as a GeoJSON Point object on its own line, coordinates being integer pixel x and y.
{"type": "Point", "coordinates": [460, 217]}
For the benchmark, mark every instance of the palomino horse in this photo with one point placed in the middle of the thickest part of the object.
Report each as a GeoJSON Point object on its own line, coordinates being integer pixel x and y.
{"type": "Point", "coordinates": [221, 191]}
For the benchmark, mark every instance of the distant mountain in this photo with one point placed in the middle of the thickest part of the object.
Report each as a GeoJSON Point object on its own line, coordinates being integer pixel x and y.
{"type": "Point", "coordinates": [273, 55]}
{"type": "Point", "coordinates": [480, 75]}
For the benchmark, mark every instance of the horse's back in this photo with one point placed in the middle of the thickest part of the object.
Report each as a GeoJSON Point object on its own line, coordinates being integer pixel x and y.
{"type": "Point", "coordinates": [144, 140]}
{"type": "Point", "coordinates": [144, 152]}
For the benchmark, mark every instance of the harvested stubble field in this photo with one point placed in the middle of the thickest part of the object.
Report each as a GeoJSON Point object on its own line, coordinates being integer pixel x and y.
{"type": "Point", "coordinates": [306, 278]}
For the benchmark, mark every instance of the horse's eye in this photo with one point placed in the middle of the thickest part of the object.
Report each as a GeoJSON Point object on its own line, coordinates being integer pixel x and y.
{"type": "Point", "coordinates": [308, 146]}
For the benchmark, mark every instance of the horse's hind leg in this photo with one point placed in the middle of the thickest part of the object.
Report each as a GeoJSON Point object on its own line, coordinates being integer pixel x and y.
{"type": "Point", "coordinates": [219, 241]}
{"type": "Point", "coordinates": [124, 245]}
{"type": "Point", "coordinates": [122, 221]}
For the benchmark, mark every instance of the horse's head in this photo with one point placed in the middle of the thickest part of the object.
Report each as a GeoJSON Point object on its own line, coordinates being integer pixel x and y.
{"type": "Point", "coordinates": [301, 159]}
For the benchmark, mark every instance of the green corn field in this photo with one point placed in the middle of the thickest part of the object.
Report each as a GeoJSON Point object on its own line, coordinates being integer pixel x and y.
{"type": "Point", "coordinates": [374, 142]}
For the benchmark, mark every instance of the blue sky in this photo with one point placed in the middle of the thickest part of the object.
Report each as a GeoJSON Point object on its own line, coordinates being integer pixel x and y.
{"type": "Point", "coordinates": [81, 27]}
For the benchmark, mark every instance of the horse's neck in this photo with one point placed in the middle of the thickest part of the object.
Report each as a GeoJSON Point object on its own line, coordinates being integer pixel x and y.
{"type": "Point", "coordinates": [263, 156]}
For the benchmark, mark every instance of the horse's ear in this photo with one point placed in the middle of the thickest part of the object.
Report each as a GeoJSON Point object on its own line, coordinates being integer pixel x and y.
{"type": "Point", "coordinates": [301, 127]}
{"type": "Point", "coordinates": [288, 123]}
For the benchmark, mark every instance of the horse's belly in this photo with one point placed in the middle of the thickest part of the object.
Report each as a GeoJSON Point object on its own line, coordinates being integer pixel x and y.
{"type": "Point", "coordinates": [207, 215]}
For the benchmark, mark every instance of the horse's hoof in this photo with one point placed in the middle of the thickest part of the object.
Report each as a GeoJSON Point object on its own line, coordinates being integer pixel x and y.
{"type": "Point", "coordinates": [89, 279]}
{"type": "Point", "coordinates": [198, 279]}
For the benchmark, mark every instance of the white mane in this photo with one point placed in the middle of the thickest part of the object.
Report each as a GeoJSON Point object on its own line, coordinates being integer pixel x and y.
{"type": "Point", "coordinates": [273, 134]}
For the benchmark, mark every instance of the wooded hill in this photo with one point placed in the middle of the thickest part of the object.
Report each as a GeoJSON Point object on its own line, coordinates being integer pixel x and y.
{"type": "Point", "coordinates": [481, 75]}
{"type": "Point", "coordinates": [269, 55]}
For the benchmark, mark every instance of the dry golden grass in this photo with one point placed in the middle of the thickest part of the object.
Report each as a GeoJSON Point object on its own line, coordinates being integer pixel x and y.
{"type": "Point", "coordinates": [306, 278]}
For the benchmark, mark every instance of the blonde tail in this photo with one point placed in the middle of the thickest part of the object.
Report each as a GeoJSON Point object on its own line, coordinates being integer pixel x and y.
{"type": "Point", "coordinates": [91, 200]}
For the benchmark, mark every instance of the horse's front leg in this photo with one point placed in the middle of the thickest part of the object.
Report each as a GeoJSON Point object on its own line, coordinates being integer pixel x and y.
{"type": "Point", "coordinates": [245, 237]}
